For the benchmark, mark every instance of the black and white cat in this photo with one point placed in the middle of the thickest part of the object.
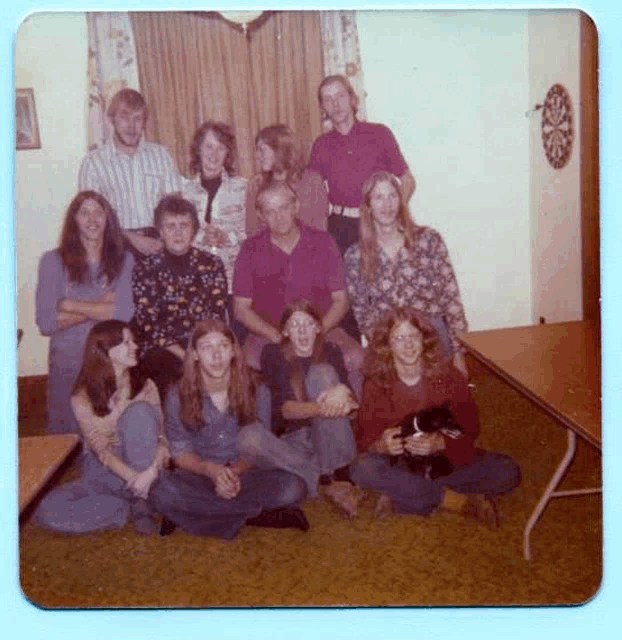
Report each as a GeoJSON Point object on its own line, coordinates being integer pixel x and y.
{"type": "Point", "coordinates": [433, 420]}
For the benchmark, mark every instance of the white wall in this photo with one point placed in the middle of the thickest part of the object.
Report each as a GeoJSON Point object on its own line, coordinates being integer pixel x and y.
{"type": "Point", "coordinates": [454, 88]}
{"type": "Point", "coordinates": [555, 193]}
{"type": "Point", "coordinates": [50, 57]}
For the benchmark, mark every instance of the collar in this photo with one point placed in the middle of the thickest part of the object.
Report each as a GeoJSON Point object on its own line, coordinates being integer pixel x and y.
{"type": "Point", "coordinates": [112, 150]}
{"type": "Point", "coordinates": [224, 176]}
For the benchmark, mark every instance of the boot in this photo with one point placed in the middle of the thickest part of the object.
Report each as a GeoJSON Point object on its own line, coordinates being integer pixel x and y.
{"type": "Point", "coordinates": [281, 518]}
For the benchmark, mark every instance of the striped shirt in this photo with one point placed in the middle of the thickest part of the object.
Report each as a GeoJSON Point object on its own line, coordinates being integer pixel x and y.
{"type": "Point", "coordinates": [133, 184]}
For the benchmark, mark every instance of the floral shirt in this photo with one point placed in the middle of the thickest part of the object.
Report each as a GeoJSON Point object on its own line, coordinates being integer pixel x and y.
{"type": "Point", "coordinates": [227, 214]}
{"type": "Point", "coordinates": [170, 301]}
{"type": "Point", "coordinates": [421, 278]}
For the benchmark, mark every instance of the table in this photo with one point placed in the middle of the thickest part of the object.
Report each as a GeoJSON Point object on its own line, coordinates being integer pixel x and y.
{"type": "Point", "coordinates": [38, 458]}
{"type": "Point", "coordinates": [558, 367]}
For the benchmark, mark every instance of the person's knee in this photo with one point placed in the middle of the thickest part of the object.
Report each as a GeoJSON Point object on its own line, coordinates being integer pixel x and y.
{"type": "Point", "coordinates": [353, 357]}
{"type": "Point", "coordinates": [362, 468]}
{"type": "Point", "coordinates": [321, 376]}
{"type": "Point", "coordinates": [509, 474]}
{"type": "Point", "coordinates": [264, 405]}
{"type": "Point", "coordinates": [293, 488]}
{"type": "Point", "coordinates": [140, 413]}
{"type": "Point", "coordinates": [251, 438]}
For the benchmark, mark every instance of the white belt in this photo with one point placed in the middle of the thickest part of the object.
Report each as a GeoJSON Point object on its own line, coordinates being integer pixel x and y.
{"type": "Point", "coordinates": [348, 212]}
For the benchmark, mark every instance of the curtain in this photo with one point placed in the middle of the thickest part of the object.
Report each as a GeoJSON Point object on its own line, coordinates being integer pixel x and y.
{"type": "Point", "coordinates": [342, 52]}
{"type": "Point", "coordinates": [111, 66]}
{"type": "Point", "coordinates": [194, 68]}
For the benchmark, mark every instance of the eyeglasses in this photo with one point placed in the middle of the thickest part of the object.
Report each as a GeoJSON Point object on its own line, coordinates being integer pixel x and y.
{"type": "Point", "coordinates": [308, 324]}
{"type": "Point", "coordinates": [405, 338]}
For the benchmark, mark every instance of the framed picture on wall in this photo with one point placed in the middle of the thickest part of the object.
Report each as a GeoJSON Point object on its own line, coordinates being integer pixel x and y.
{"type": "Point", "coordinates": [26, 126]}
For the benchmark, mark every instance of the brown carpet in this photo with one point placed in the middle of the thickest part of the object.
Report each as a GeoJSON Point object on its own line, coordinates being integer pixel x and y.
{"type": "Point", "coordinates": [402, 560]}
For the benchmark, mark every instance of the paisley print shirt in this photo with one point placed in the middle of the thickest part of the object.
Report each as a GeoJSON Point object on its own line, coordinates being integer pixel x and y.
{"type": "Point", "coordinates": [421, 278]}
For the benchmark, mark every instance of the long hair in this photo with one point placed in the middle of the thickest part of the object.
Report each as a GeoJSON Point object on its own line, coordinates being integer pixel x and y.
{"type": "Point", "coordinates": [96, 375]}
{"type": "Point", "coordinates": [318, 354]}
{"type": "Point", "coordinates": [241, 391]}
{"type": "Point", "coordinates": [379, 363]}
{"type": "Point", "coordinates": [368, 240]}
{"type": "Point", "coordinates": [289, 157]}
{"type": "Point", "coordinates": [224, 134]}
{"type": "Point", "coordinates": [72, 251]}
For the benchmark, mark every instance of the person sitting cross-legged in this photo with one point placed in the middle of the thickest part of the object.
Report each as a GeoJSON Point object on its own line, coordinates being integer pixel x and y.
{"type": "Point", "coordinates": [407, 372]}
{"type": "Point", "coordinates": [214, 490]}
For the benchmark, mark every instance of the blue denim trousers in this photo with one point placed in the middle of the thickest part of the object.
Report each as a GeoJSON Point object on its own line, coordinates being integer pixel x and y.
{"type": "Point", "coordinates": [487, 473]}
{"type": "Point", "coordinates": [100, 498]}
{"type": "Point", "coordinates": [191, 502]}
{"type": "Point", "coordinates": [327, 444]}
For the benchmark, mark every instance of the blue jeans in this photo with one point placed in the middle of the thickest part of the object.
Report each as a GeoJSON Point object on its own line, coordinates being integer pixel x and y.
{"type": "Point", "coordinates": [488, 473]}
{"type": "Point", "coordinates": [191, 502]}
{"type": "Point", "coordinates": [100, 499]}
{"type": "Point", "coordinates": [326, 445]}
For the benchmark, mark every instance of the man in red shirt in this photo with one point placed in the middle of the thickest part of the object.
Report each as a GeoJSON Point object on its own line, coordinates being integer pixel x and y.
{"type": "Point", "coordinates": [348, 154]}
{"type": "Point", "coordinates": [286, 261]}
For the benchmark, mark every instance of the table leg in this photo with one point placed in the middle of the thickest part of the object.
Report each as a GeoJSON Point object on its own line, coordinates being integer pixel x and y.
{"type": "Point", "coordinates": [548, 492]}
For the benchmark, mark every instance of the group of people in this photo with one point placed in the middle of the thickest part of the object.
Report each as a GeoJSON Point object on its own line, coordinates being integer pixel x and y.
{"type": "Point", "coordinates": [227, 348]}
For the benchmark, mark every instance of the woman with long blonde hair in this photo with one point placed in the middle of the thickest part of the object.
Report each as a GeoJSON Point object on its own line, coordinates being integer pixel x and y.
{"type": "Point", "coordinates": [398, 263]}
{"type": "Point", "coordinates": [213, 490]}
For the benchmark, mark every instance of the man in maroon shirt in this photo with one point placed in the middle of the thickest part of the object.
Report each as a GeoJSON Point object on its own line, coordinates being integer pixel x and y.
{"type": "Point", "coordinates": [286, 261]}
{"type": "Point", "coordinates": [346, 156]}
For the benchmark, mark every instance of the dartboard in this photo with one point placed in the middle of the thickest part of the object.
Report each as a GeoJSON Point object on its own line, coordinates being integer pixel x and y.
{"type": "Point", "coordinates": [557, 131]}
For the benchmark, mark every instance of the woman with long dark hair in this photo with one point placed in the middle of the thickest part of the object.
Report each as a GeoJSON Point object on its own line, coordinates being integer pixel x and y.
{"type": "Point", "coordinates": [122, 431]}
{"type": "Point", "coordinates": [305, 426]}
{"type": "Point", "coordinates": [214, 490]}
{"type": "Point", "coordinates": [398, 263]}
{"type": "Point", "coordinates": [85, 280]}
{"type": "Point", "coordinates": [407, 371]}
{"type": "Point", "coordinates": [280, 157]}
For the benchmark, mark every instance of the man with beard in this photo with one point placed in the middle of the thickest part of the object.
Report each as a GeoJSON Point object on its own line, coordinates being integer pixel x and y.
{"type": "Point", "coordinates": [131, 173]}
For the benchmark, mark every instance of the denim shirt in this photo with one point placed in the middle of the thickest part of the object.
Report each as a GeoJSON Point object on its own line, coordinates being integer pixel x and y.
{"type": "Point", "coordinates": [216, 437]}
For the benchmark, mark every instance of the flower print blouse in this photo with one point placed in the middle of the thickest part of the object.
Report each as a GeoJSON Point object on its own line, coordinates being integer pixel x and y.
{"type": "Point", "coordinates": [421, 278]}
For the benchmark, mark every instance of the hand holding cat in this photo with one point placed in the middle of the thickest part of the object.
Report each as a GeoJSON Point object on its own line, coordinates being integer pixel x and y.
{"type": "Point", "coordinates": [424, 444]}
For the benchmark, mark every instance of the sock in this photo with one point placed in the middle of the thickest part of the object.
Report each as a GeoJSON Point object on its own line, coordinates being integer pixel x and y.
{"type": "Point", "coordinates": [453, 501]}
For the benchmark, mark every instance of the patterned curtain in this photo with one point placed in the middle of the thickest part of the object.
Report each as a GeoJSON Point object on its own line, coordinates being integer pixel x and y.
{"type": "Point", "coordinates": [342, 52]}
{"type": "Point", "coordinates": [111, 66]}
